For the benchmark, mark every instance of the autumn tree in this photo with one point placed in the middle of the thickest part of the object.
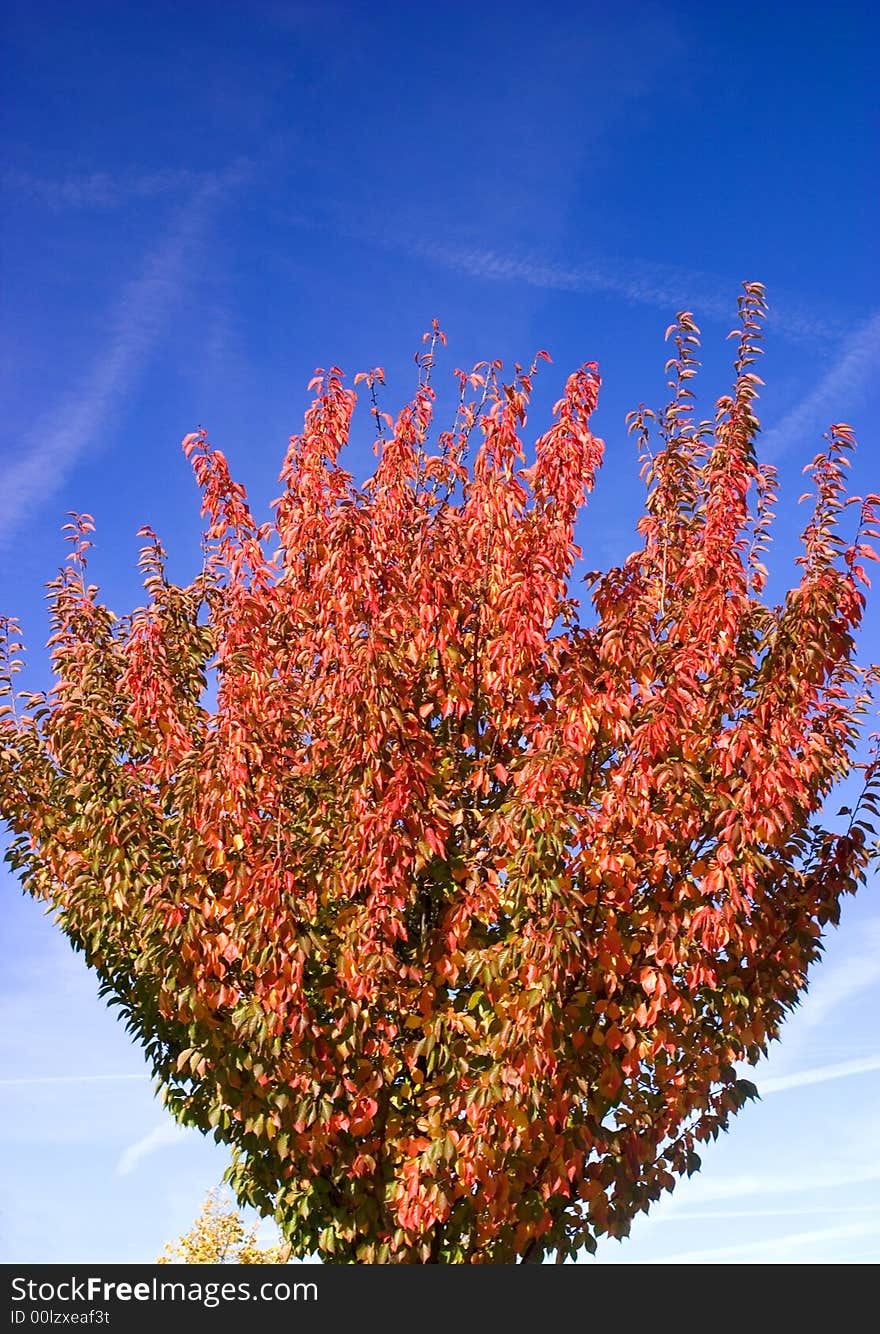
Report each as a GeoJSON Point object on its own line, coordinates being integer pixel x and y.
{"type": "Point", "coordinates": [453, 909]}
{"type": "Point", "coordinates": [219, 1237]}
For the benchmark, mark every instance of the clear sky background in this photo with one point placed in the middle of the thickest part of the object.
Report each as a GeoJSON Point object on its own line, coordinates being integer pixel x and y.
{"type": "Point", "coordinates": [203, 202]}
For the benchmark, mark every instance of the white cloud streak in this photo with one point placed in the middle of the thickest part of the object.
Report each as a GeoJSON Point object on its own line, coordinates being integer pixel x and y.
{"type": "Point", "coordinates": [48, 453]}
{"type": "Point", "coordinates": [835, 986]}
{"type": "Point", "coordinates": [775, 1250]}
{"type": "Point", "coordinates": [663, 286]}
{"type": "Point", "coordinates": [740, 1187]}
{"type": "Point", "coordinates": [820, 1074]}
{"type": "Point", "coordinates": [28, 1082]}
{"type": "Point", "coordinates": [841, 388]}
{"type": "Point", "coordinates": [694, 1215]}
{"type": "Point", "coordinates": [101, 189]}
{"type": "Point", "coordinates": [166, 1135]}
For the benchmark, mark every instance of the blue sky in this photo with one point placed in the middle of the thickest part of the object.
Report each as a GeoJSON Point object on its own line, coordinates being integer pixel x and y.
{"type": "Point", "coordinates": [201, 203]}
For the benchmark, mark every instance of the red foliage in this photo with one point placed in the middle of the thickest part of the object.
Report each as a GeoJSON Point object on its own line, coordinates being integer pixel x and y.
{"type": "Point", "coordinates": [454, 913]}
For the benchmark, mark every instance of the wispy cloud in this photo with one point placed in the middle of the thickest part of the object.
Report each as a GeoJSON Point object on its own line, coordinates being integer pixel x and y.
{"type": "Point", "coordinates": [693, 1215]}
{"type": "Point", "coordinates": [101, 189]}
{"type": "Point", "coordinates": [840, 389]}
{"type": "Point", "coordinates": [47, 453]}
{"type": "Point", "coordinates": [164, 1136]}
{"type": "Point", "coordinates": [775, 1249]}
{"type": "Point", "coordinates": [820, 1074]}
{"type": "Point", "coordinates": [747, 1184]}
{"type": "Point", "coordinates": [28, 1082]}
{"type": "Point", "coordinates": [663, 286]}
{"type": "Point", "coordinates": [856, 972]}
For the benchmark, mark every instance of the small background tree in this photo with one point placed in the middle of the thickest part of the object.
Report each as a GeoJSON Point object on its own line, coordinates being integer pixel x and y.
{"type": "Point", "coordinates": [219, 1237]}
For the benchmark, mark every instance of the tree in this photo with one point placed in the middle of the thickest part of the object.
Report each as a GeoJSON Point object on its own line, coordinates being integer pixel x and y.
{"type": "Point", "coordinates": [455, 911]}
{"type": "Point", "coordinates": [219, 1237]}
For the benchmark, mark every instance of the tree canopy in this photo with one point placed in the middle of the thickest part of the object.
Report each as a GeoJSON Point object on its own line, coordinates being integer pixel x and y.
{"type": "Point", "coordinates": [454, 908]}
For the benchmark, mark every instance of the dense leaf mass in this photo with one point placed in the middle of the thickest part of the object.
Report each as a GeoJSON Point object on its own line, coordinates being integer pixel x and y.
{"type": "Point", "coordinates": [450, 911]}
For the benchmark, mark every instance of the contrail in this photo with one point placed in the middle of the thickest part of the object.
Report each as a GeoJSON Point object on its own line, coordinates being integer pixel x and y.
{"type": "Point", "coordinates": [663, 286]}
{"type": "Point", "coordinates": [839, 390]}
{"type": "Point", "coordinates": [820, 1074]}
{"type": "Point", "coordinates": [48, 452]}
{"type": "Point", "coordinates": [65, 1079]}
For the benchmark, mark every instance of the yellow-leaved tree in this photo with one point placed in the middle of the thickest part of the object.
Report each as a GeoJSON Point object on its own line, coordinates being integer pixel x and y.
{"type": "Point", "coordinates": [219, 1237]}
